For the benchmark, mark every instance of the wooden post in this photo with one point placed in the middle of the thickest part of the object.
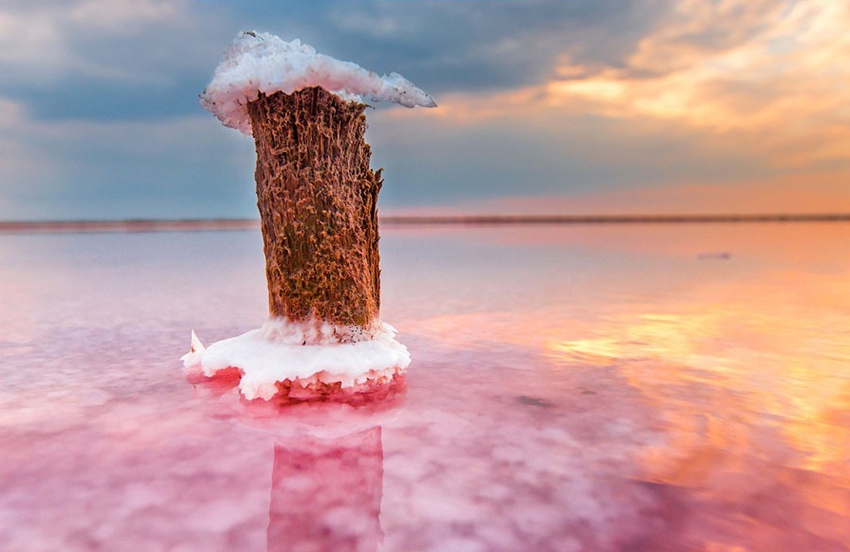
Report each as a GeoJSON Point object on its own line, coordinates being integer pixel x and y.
{"type": "Point", "coordinates": [317, 198]}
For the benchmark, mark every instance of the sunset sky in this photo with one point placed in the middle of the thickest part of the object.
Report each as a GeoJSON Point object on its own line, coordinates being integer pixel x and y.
{"type": "Point", "coordinates": [586, 106]}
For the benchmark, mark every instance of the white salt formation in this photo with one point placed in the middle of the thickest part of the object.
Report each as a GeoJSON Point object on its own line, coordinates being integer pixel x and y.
{"type": "Point", "coordinates": [264, 362]}
{"type": "Point", "coordinates": [257, 63]}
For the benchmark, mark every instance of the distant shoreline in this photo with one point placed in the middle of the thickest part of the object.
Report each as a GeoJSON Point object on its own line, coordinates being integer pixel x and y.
{"type": "Point", "coordinates": [202, 225]}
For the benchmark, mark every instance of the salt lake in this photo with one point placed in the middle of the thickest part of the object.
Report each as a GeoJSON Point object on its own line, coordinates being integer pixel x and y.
{"type": "Point", "coordinates": [624, 387]}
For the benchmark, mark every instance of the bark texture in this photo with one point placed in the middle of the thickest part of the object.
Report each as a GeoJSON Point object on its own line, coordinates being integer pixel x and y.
{"type": "Point", "coordinates": [318, 199]}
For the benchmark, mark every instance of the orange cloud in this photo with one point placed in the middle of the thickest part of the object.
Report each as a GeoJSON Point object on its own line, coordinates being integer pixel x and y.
{"type": "Point", "coordinates": [768, 77]}
{"type": "Point", "coordinates": [785, 84]}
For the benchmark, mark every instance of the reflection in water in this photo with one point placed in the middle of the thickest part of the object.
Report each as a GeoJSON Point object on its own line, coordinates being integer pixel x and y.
{"type": "Point", "coordinates": [747, 368]}
{"type": "Point", "coordinates": [583, 389]}
{"type": "Point", "coordinates": [327, 476]}
{"type": "Point", "coordinates": [326, 493]}
{"type": "Point", "coordinates": [746, 362]}
{"type": "Point", "coordinates": [756, 403]}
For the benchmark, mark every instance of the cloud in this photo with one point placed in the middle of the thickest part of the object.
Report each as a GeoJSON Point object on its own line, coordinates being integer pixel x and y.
{"type": "Point", "coordinates": [522, 148]}
{"type": "Point", "coordinates": [783, 87]}
{"type": "Point", "coordinates": [48, 41]}
{"type": "Point", "coordinates": [461, 46]}
{"type": "Point", "coordinates": [88, 59]}
{"type": "Point", "coordinates": [84, 59]}
{"type": "Point", "coordinates": [692, 30]}
{"type": "Point", "coordinates": [774, 88]}
{"type": "Point", "coordinates": [474, 46]}
{"type": "Point", "coordinates": [537, 98]}
{"type": "Point", "coordinates": [185, 167]}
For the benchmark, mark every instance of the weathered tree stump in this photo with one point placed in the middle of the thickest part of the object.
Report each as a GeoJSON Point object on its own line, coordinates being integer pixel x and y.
{"type": "Point", "coordinates": [317, 198]}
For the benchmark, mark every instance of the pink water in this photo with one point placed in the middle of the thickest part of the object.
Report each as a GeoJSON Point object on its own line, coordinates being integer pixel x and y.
{"type": "Point", "coordinates": [598, 388]}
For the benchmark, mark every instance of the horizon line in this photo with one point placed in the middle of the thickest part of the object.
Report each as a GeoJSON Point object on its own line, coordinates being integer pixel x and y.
{"type": "Point", "coordinates": [222, 224]}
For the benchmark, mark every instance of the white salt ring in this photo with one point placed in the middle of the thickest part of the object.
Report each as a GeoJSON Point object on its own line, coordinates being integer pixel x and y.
{"type": "Point", "coordinates": [264, 363]}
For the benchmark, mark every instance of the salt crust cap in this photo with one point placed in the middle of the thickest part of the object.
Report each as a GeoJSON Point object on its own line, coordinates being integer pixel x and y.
{"type": "Point", "coordinates": [256, 63]}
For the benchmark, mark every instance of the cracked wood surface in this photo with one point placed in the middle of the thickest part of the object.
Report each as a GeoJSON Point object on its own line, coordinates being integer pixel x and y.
{"type": "Point", "coordinates": [317, 198]}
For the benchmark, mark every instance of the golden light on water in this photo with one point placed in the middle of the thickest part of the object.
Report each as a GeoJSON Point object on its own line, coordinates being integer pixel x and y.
{"type": "Point", "coordinates": [735, 339]}
{"type": "Point", "coordinates": [722, 373]}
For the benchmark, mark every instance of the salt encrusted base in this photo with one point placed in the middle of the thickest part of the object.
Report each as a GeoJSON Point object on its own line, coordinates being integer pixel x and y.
{"type": "Point", "coordinates": [270, 367]}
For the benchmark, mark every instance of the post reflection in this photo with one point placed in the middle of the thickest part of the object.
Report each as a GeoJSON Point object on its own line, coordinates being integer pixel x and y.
{"type": "Point", "coordinates": [328, 467]}
{"type": "Point", "coordinates": [326, 493]}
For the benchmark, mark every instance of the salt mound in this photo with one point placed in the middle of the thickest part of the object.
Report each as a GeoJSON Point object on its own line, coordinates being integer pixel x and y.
{"type": "Point", "coordinates": [257, 63]}
{"type": "Point", "coordinates": [265, 363]}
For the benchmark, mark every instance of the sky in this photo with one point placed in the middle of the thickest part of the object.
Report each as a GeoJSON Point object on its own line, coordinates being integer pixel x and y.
{"type": "Point", "coordinates": [545, 107]}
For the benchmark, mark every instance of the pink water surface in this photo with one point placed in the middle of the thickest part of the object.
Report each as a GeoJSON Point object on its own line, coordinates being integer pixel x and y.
{"type": "Point", "coordinates": [573, 388]}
